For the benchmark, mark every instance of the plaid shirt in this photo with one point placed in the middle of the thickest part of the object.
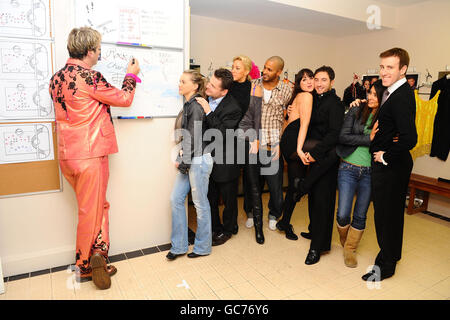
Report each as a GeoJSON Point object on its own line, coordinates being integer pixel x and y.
{"type": "Point", "coordinates": [272, 116]}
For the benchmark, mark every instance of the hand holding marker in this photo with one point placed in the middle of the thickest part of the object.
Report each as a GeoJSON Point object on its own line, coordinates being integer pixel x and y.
{"type": "Point", "coordinates": [133, 68]}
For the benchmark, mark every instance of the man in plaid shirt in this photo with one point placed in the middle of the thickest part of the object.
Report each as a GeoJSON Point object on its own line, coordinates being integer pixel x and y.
{"type": "Point", "coordinates": [276, 95]}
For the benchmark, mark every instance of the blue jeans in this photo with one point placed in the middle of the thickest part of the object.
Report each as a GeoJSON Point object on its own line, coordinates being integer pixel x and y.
{"type": "Point", "coordinates": [353, 179]}
{"type": "Point", "coordinates": [197, 181]}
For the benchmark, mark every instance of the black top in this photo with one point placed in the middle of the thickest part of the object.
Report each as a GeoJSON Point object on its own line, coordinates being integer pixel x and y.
{"type": "Point", "coordinates": [440, 146]}
{"type": "Point", "coordinates": [241, 92]}
{"type": "Point", "coordinates": [396, 118]}
{"type": "Point", "coordinates": [326, 122]}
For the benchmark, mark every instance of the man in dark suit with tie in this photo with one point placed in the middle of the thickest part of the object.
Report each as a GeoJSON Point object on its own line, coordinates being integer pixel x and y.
{"type": "Point", "coordinates": [222, 113]}
{"type": "Point", "coordinates": [392, 163]}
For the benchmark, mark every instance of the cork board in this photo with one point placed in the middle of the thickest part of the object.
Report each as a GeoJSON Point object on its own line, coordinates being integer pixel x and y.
{"type": "Point", "coordinates": [31, 177]}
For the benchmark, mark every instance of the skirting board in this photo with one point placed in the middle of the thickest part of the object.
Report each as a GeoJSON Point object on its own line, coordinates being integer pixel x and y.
{"type": "Point", "coordinates": [2, 285]}
{"type": "Point", "coordinates": [25, 263]}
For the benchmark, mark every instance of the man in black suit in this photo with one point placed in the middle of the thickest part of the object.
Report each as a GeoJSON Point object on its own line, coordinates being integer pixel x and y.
{"type": "Point", "coordinates": [392, 162]}
{"type": "Point", "coordinates": [325, 125]}
{"type": "Point", "coordinates": [222, 113]}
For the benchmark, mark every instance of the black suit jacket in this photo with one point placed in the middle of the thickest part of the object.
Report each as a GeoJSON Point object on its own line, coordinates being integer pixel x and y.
{"type": "Point", "coordinates": [440, 146]}
{"type": "Point", "coordinates": [397, 116]}
{"type": "Point", "coordinates": [226, 116]}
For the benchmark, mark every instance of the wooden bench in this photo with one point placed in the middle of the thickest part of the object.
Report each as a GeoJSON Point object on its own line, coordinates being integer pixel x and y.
{"type": "Point", "coordinates": [426, 184]}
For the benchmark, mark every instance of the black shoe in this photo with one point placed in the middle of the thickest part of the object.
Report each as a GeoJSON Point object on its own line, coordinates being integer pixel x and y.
{"type": "Point", "coordinates": [374, 276]}
{"type": "Point", "coordinates": [235, 229]}
{"type": "Point", "coordinates": [220, 238]}
{"type": "Point", "coordinates": [306, 235]}
{"type": "Point", "coordinates": [289, 230]}
{"type": "Point", "coordinates": [194, 255]}
{"type": "Point", "coordinates": [173, 256]}
{"type": "Point", "coordinates": [312, 257]}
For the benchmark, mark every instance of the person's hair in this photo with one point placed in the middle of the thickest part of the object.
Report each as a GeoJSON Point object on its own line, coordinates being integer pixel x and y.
{"type": "Point", "coordinates": [298, 78]}
{"type": "Point", "coordinates": [365, 111]}
{"type": "Point", "coordinates": [247, 64]}
{"type": "Point", "coordinates": [199, 79]}
{"type": "Point", "coordinates": [326, 69]}
{"type": "Point", "coordinates": [402, 55]}
{"type": "Point", "coordinates": [225, 76]}
{"type": "Point", "coordinates": [81, 40]}
{"type": "Point", "coordinates": [278, 60]}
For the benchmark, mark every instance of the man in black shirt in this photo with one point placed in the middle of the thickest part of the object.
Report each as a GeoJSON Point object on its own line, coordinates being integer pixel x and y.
{"type": "Point", "coordinates": [392, 162]}
{"type": "Point", "coordinates": [325, 125]}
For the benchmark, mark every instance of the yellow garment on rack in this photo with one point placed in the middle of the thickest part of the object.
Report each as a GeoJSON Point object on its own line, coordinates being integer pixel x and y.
{"type": "Point", "coordinates": [425, 113]}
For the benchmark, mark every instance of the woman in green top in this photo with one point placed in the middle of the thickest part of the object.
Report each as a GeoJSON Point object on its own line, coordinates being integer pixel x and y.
{"type": "Point", "coordinates": [354, 176]}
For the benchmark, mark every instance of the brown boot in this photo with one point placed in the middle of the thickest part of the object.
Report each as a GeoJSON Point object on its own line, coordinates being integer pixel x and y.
{"type": "Point", "coordinates": [350, 246]}
{"type": "Point", "coordinates": [342, 233]}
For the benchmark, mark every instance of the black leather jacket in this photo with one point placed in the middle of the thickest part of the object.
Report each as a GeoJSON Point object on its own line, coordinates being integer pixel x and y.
{"type": "Point", "coordinates": [352, 134]}
{"type": "Point", "coordinates": [192, 145]}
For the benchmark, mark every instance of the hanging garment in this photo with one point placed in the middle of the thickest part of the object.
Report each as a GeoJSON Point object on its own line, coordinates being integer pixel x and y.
{"type": "Point", "coordinates": [425, 113]}
{"type": "Point", "coordinates": [440, 145]}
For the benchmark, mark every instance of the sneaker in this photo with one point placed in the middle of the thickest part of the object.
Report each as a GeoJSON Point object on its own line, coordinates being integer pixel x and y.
{"type": "Point", "coordinates": [249, 223]}
{"type": "Point", "coordinates": [272, 224]}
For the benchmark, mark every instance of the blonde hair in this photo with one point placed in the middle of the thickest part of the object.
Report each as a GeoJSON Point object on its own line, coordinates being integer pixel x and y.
{"type": "Point", "coordinates": [81, 40]}
{"type": "Point", "coordinates": [199, 79]}
{"type": "Point", "coordinates": [247, 64]}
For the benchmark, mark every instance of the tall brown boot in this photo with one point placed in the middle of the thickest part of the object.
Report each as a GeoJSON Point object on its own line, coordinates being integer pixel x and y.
{"type": "Point", "coordinates": [342, 233]}
{"type": "Point", "coordinates": [350, 246]}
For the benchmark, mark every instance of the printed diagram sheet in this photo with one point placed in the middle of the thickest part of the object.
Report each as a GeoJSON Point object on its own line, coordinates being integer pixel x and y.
{"type": "Point", "coordinates": [26, 142]}
{"type": "Point", "coordinates": [157, 95]}
{"type": "Point", "coordinates": [25, 18]}
{"type": "Point", "coordinates": [25, 71]}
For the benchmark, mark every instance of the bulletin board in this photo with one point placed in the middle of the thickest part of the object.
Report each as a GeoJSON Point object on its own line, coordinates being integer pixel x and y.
{"type": "Point", "coordinates": [28, 162]}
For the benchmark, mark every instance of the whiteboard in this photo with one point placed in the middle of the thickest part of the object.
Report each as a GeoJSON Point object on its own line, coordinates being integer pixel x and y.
{"type": "Point", "coordinates": [156, 23]}
{"type": "Point", "coordinates": [26, 67]}
{"type": "Point", "coordinates": [161, 69]}
{"type": "Point", "coordinates": [26, 18]}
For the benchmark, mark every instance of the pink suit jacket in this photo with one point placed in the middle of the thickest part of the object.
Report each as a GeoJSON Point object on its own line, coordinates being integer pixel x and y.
{"type": "Point", "coordinates": [82, 98]}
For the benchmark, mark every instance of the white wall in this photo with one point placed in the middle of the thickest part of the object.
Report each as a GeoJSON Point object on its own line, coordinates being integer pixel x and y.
{"type": "Point", "coordinates": [39, 231]}
{"type": "Point", "coordinates": [218, 41]}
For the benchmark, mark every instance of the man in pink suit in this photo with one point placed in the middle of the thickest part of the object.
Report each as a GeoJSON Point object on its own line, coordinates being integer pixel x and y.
{"type": "Point", "coordinates": [82, 99]}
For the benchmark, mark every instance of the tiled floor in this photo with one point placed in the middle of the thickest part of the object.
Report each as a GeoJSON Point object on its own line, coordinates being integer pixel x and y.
{"type": "Point", "coordinates": [243, 269]}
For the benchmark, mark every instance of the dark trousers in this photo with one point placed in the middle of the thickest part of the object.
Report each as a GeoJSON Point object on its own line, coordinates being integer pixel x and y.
{"type": "Point", "coordinates": [389, 188]}
{"type": "Point", "coordinates": [228, 191]}
{"type": "Point", "coordinates": [321, 205]}
{"type": "Point", "coordinates": [272, 173]}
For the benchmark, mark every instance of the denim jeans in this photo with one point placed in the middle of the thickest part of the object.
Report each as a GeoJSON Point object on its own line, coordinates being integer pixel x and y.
{"type": "Point", "coordinates": [353, 179]}
{"type": "Point", "coordinates": [197, 181]}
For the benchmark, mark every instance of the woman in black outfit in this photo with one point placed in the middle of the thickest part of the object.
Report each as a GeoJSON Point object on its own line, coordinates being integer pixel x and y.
{"type": "Point", "coordinates": [240, 90]}
{"type": "Point", "coordinates": [293, 144]}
